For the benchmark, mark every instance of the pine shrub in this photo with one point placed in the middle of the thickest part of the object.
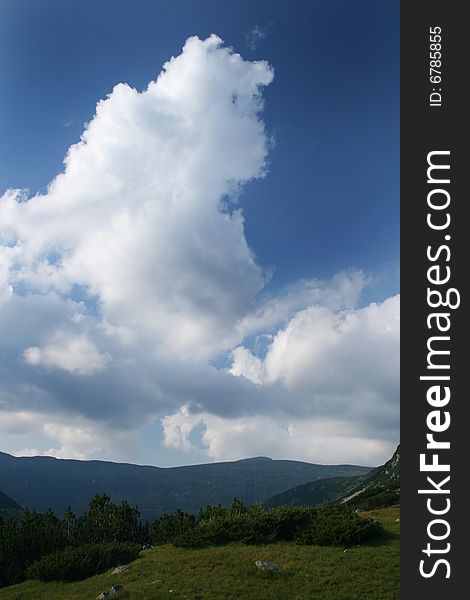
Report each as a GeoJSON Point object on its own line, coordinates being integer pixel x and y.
{"type": "Point", "coordinates": [337, 526]}
{"type": "Point", "coordinates": [73, 564]}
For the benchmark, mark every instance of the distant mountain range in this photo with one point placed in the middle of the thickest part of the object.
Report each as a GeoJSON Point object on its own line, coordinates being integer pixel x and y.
{"type": "Point", "coordinates": [8, 507]}
{"type": "Point", "coordinates": [379, 487]}
{"type": "Point", "coordinates": [43, 482]}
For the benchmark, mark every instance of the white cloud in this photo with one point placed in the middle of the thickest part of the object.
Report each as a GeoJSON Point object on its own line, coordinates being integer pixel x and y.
{"type": "Point", "coordinates": [246, 365]}
{"type": "Point", "coordinates": [330, 352]}
{"type": "Point", "coordinates": [329, 387]}
{"type": "Point", "coordinates": [64, 438]}
{"type": "Point", "coordinates": [136, 216]}
{"type": "Point", "coordinates": [121, 285]}
{"type": "Point", "coordinates": [75, 354]}
{"type": "Point", "coordinates": [341, 292]}
{"type": "Point", "coordinates": [323, 351]}
{"type": "Point", "coordinates": [325, 441]}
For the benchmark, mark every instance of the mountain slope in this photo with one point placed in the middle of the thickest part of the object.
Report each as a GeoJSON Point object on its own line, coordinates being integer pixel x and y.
{"type": "Point", "coordinates": [380, 487]}
{"type": "Point", "coordinates": [366, 572]}
{"type": "Point", "coordinates": [8, 507]}
{"type": "Point", "coordinates": [41, 482]}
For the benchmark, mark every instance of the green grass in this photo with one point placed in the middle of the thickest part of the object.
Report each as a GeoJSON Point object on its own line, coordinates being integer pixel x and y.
{"type": "Point", "coordinates": [228, 572]}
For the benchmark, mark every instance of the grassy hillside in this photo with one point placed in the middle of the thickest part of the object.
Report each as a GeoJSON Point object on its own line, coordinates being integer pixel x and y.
{"type": "Point", "coordinates": [381, 485]}
{"type": "Point", "coordinates": [8, 507]}
{"type": "Point", "coordinates": [367, 572]}
{"type": "Point", "coordinates": [44, 482]}
{"type": "Point", "coordinates": [315, 492]}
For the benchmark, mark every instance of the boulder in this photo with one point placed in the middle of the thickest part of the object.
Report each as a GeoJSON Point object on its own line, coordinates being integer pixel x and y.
{"type": "Point", "coordinates": [120, 569]}
{"type": "Point", "coordinates": [114, 591]}
{"type": "Point", "coordinates": [265, 565]}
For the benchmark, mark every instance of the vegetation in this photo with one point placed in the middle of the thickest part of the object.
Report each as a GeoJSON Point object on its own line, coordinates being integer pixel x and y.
{"type": "Point", "coordinates": [46, 546]}
{"type": "Point", "coordinates": [315, 492]}
{"type": "Point", "coordinates": [33, 536]}
{"type": "Point", "coordinates": [379, 488]}
{"type": "Point", "coordinates": [375, 497]}
{"type": "Point", "coordinates": [369, 571]}
{"type": "Point", "coordinates": [326, 525]}
{"type": "Point", "coordinates": [73, 564]}
{"type": "Point", "coordinates": [8, 507]}
{"type": "Point", "coordinates": [69, 548]}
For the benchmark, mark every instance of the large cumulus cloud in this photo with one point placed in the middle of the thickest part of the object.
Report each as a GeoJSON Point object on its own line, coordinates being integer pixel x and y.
{"type": "Point", "coordinates": [122, 284]}
{"type": "Point", "coordinates": [136, 216]}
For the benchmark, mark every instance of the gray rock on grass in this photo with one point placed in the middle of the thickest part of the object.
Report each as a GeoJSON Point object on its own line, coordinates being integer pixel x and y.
{"type": "Point", "coordinates": [114, 591]}
{"type": "Point", "coordinates": [265, 565]}
{"type": "Point", "coordinates": [120, 569]}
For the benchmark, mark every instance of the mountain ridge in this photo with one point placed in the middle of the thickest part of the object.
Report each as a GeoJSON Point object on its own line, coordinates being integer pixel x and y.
{"type": "Point", "coordinates": [43, 482]}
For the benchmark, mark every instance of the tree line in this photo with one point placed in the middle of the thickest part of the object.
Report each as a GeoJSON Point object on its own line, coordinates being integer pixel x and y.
{"type": "Point", "coordinates": [35, 536]}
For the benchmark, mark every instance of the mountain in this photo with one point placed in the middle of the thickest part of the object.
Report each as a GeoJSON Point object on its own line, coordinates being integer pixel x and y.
{"type": "Point", "coordinates": [379, 487]}
{"type": "Point", "coordinates": [8, 507]}
{"type": "Point", "coordinates": [43, 482]}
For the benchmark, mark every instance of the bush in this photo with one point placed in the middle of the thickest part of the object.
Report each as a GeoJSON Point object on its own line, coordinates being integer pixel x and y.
{"type": "Point", "coordinates": [24, 540]}
{"type": "Point", "coordinates": [169, 526]}
{"type": "Point", "coordinates": [35, 535]}
{"type": "Point", "coordinates": [200, 537]}
{"type": "Point", "coordinates": [72, 564]}
{"type": "Point", "coordinates": [290, 520]}
{"type": "Point", "coordinates": [327, 526]}
{"type": "Point", "coordinates": [106, 522]}
{"type": "Point", "coordinates": [223, 526]}
{"type": "Point", "coordinates": [337, 526]}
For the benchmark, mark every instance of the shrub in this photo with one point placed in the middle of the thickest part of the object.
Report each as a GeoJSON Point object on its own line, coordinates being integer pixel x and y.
{"type": "Point", "coordinates": [337, 526]}
{"type": "Point", "coordinates": [200, 537]}
{"type": "Point", "coordinates": [24, 540]}
{"type": "Point", "coordinates": [290, 520]}
{"type": "Point", "coordinates": [242, 527]}
{"type": "Point", "coordinates": [170, 525]}
{"type": "Point", "coordinates": [250, 526]}
{"type": "Point", "coordinates": [72, 564]}
{"type": "Point", "coordinates": [328, 525]}
{"type": "Point", "coordinates": [106, 522]}
{"type": "Point", "coordinates": [35, 535]}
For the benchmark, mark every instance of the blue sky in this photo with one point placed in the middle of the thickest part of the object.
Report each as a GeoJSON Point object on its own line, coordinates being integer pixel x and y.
{"type": "Point", "coordinates": [328, 201]}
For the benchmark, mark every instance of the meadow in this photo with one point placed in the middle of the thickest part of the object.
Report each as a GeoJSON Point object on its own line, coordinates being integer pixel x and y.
{"type": "Point", "coordinates": [369, 571]}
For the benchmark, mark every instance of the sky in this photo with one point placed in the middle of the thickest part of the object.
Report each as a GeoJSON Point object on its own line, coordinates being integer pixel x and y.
{"type": "Point", "coordinates": [199, 230]}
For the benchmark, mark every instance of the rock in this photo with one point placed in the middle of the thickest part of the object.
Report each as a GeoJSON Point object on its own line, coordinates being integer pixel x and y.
{"type": "Point", "coordinates": [265, 565]}
{"type": "Point", "coordinates": [397, 520]}
{"type": "Point", "coordinates": [120, 569]}
{"type": "Point", "coordinates": [116, 589]}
